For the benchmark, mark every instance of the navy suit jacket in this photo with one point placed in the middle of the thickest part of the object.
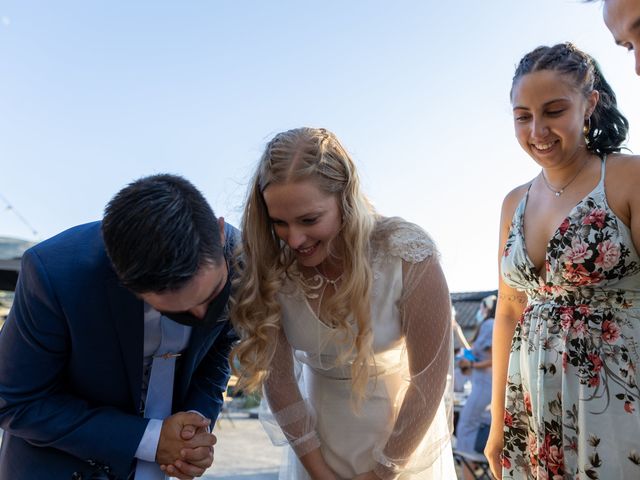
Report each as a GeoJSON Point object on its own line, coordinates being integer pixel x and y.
{"type": "Point", "coordinates": [71, 354]}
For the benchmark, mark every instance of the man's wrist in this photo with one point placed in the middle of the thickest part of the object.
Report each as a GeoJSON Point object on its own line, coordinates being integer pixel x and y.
{"type": "Point", "coordinates": [148, 446]}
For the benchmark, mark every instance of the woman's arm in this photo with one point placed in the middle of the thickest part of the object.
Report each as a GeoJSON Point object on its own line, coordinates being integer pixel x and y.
{"type": "Point", "coordinates": [426, 321]}
{"type": "Point", "coordinates": [292, 412]}
{"type": "Point", "coordinates": [316, 467]}
{"type": "Point", "coordinates": [511, 304]}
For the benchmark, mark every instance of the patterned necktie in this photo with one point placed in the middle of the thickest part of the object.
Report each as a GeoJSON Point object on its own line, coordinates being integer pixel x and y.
{"type": "Point", "coordinates": [160, 389]}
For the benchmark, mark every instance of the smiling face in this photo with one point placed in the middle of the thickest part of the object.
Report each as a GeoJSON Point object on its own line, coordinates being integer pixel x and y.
{"type": "Point", "coordinates": [549, 115]}
{"type": "Point", "coordinates": [304, 217]}
{"type": "Point", "coordinates": [622, 18]}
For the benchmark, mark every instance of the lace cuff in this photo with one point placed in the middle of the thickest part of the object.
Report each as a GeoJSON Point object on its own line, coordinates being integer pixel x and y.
{"type": "Point", "coordinates": [291, 414]}
{"type": "Point", "coordinates": [305, 444]}
{"type": "Point", "coordinates": [297, 424]}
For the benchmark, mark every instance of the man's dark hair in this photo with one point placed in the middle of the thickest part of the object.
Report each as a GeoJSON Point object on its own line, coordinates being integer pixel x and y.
{"type": "Point", "coordinates": [158, 231]}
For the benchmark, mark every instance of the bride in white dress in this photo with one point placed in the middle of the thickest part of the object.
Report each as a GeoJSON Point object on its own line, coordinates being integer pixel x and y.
{"type": "Point", "coordinates": [344, 319]}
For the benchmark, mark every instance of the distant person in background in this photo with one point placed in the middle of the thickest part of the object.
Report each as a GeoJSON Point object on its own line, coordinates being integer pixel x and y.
{"type": "Point", "coordinates": [566, 396]}
{"type": "Point", "coordinates": [109, 319]}
{"type": "Point", "coordinates": [460, 378]}
{"type": "Point", "coordinates": [355, 303]}
{"type": "Point", "coordinates": [622, 18]}
{"type": "Point", "coordinates": [474, 413]}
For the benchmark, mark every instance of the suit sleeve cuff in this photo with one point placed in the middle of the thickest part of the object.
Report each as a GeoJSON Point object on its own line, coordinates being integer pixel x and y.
{"type": "Point", "coordinates": [149, 443]}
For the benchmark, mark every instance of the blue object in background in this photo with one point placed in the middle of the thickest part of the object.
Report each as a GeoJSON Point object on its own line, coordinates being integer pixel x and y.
{"type": "Point", "coordinates": [467, 354]}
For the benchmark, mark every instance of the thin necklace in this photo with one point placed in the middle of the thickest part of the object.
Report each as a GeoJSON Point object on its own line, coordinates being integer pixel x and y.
{"type": "Point", "coordinates": [327, 280]}
{"type": "Point", "coordinates": [320, 286]}
{"type": "Point", "coordinates": [561, 191]}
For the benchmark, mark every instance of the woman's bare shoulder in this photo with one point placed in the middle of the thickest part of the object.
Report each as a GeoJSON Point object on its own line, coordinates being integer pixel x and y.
{"type": "Point", "coordinates": [623, 164]}
{"type": "Point", "coordinates": [513, 198]}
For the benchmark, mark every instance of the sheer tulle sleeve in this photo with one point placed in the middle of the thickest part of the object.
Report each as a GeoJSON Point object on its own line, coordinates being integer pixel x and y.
{"type": "Point", "coordinates": [284, 413]}
{"type": "Point", "coordinates": [422, 429]}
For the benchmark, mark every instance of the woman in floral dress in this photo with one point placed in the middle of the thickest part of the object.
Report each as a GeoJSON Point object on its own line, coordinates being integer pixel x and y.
{"type": "Point", "coordinates": [566, 344]}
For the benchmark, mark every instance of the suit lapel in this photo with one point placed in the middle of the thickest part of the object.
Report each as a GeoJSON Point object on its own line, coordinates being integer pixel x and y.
{"type": "Point", "coordinates": [199, 344]}
{"type": "Point", "coordinates": [127, 313]}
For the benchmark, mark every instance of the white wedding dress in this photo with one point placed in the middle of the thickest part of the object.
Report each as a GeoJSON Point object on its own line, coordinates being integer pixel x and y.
{"type": "Point", "coordinates": [404, 425]}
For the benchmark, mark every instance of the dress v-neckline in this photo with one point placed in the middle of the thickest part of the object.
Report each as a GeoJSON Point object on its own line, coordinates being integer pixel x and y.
{"type": "Point", "coordinates": [315, 315]}
{"type": "Point", "coordinates": [541, 272]}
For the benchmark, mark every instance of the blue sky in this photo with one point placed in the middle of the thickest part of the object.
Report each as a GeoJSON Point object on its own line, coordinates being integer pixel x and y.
{"type": "Point", "coordinates": [94, 94]}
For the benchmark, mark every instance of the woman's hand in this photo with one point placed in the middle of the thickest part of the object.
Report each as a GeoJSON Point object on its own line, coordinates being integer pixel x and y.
{"type": "Point", "coordinates": [367, 476]}
{"type": "Point", "coordinates": [493, 451]}
{"type": "Point", "coordinates": [465, 366]}
{"type": "Point", "coordinates": [463, 363]}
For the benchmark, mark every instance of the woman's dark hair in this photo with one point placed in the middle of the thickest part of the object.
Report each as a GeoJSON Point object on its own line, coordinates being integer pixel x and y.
{"type": "Point", "coordinates": [490, 302]}
{"type": "Point", "coordinates": [609, 128]}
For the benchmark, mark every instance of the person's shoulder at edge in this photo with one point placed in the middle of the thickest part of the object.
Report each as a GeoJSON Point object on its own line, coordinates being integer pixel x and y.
{"type": "Point", "coordinates": [232, 237]}
{"type": "Point", "coordinates": [75, 249]}
{"type": "Point", "coordinates": [233, 248]}
{"type": "Point", "coordinates": [231, 230]}
{"type": "Point", "coordinates": [68, 236]}
{"type": "Point", "coordinates": [625, 167]}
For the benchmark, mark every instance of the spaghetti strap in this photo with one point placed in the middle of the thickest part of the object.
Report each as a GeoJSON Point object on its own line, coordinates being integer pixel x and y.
{"type": "Point", "coordinates": [603, 169]}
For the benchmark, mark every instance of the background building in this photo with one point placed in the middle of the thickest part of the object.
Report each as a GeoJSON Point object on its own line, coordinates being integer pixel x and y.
{"type": "Point", "coordinates": [11, 250]}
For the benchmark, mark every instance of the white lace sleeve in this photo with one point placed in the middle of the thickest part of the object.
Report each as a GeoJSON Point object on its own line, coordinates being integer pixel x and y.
{"type": "Point", "coordinates": [286, 416]}
{"type": "Point", "coordinates": [423, 425]}
{"type": "Point", "coordinates": [411, 243]}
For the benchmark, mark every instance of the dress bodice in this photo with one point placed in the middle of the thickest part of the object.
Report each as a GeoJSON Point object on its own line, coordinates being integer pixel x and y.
{"type": "Point", "coordinates": [590, 257]}
{"type": "Point", "coordinates": [571, 397]}
{"type": "Point", "coordinates": [319, 345]}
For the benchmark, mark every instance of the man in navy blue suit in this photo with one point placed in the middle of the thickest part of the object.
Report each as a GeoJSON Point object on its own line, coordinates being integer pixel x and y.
{"type": "Point", "coordinates": [79, 348]}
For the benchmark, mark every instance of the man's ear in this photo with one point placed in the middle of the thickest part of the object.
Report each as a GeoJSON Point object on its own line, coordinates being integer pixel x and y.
{"type": "Point", "coordinates": [221, 227]}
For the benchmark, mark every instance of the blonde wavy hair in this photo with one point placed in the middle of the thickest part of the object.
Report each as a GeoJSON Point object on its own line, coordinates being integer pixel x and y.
{"type": "Point", "coordinates": [296, 155]}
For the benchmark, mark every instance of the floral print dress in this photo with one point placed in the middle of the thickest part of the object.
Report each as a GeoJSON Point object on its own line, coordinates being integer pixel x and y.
{"type": "Point", "coordinates": [572, 407]}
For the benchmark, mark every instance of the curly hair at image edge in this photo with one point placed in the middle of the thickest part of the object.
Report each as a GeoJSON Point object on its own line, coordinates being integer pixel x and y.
{"type": "Point", "coordinates": [296, 155]}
